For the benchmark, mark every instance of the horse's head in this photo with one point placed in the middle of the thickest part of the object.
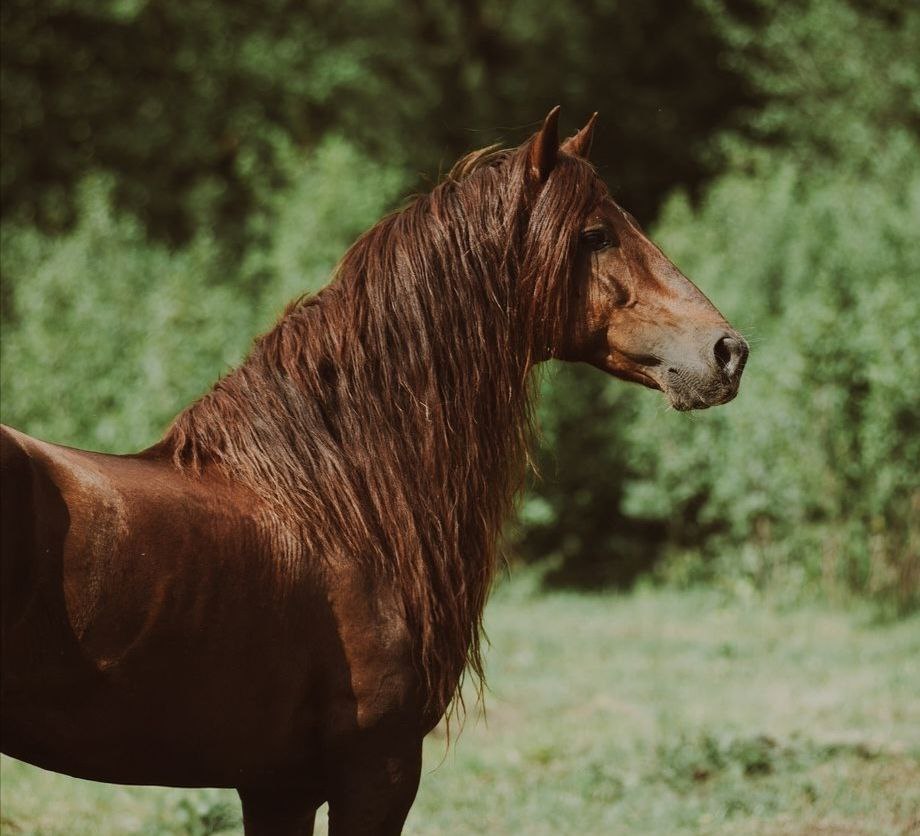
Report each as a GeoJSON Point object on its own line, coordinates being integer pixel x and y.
{"type": "Point", "coordinates": [629, 310]}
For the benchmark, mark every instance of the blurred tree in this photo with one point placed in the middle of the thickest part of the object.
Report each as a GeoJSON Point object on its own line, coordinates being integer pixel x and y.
{"type": "Point", "coordinates": [106, 335]}
{"type": "Point", "coordinates": [573, 515]}
{"type": "Point", "coordinates": [810, 478]}
{"type": "Point", "coordinates": [808, 241]}
{"type": "Point", "coordinates": [197, 105]}
{"type": "Point", "coordinates": [836, 79]}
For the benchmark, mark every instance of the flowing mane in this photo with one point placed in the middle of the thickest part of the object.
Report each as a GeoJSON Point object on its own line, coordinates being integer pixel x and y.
{"type": "Point", "coordinates": [334, 506]}
{"type": "Point", "coordinates": [388, 417]}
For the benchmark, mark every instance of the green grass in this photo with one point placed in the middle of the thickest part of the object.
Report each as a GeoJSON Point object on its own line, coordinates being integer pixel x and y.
{"type": "Point", "coordinates": [657, 712]}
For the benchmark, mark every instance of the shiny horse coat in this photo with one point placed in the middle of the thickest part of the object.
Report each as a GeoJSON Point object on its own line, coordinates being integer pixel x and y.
{"type": "Point", "coordinates": [283, 594]}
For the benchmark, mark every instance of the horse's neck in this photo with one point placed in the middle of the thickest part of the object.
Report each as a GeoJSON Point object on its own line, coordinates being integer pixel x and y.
{"type": "Point", "coordinates": [380, 459]}
{"type": "Point", "coordinates": [318, 394]}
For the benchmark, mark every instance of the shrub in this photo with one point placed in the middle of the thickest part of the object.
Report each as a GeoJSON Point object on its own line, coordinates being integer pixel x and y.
{"type": "Point", "coordinates": [811, 475]}
{"type": "Point", "coordinates": [107, 335]}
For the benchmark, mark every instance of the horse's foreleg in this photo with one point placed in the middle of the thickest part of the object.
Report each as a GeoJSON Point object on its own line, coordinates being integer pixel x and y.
{"type": "Point", "coordinates": [373, 786]}
{"type": "Point", "coordinates": [277, 812]}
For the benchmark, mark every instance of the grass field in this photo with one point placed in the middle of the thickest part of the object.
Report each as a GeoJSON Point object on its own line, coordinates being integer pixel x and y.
{"type": "Point", "coordinates": [656, 712]}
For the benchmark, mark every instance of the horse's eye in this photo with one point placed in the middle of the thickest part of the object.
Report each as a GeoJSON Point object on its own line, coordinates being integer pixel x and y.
{"type": "Point", "coordinates": [598, 239]}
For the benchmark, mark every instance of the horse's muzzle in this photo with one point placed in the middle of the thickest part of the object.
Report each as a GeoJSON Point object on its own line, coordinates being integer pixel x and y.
{"type": "Point", "coordinates": [710, 383]}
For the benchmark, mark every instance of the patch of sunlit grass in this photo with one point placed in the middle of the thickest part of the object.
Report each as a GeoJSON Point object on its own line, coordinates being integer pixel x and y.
{"type": "Point", "coordinates": [658, 712]}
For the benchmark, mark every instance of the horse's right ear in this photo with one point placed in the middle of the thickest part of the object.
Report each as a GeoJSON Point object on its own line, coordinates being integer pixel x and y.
{"type": "Point", "coordinates": [580, 144]}
{"type": "Point", "coordinates": [544, 148]}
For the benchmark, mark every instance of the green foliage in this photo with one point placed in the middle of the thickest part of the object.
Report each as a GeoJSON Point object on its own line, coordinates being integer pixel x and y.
{"type": "Point", "coordinates": [90, 350]}
{"type": "Point", "coordinates": [812, 471]}
{"type": "Point", "coordinates": [573, 516]}
{"type": "Point", "coordinates": [195, 104]}
{"type": "Point", "coordinates": [205, 815]}
{"type": "Point", "coordinates": [810, 247]}
{"type": "Point", "coordinates": [330, 200]}
{"type": "Point", "coordinates": [836, 79]}
{"type": "Point", "coordinates": [106, 336]}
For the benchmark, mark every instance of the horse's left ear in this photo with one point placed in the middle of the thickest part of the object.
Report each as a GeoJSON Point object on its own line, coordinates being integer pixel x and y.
{"type": "Point", "coordinates": [580, 144]}
{"type": "Point", "coordinates": [544, 148]}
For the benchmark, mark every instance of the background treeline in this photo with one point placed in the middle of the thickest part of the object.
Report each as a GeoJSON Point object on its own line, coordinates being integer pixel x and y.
{"type": "Point", "coordinates": [173, 171]}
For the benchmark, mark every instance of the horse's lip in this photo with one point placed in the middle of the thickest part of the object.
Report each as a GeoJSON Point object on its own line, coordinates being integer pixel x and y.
{"type": "Point", "coordinates": [632, 372]}
{"type": "Point", "coordinates": [647, 380]}
{"type": "Point", "coordinates": [682, 404]}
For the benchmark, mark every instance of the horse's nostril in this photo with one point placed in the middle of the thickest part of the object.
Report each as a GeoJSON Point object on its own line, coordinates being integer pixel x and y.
{"type": "Point", "coordinates": [731, 354]}
{"type": "Point", "coordinates": [723, 352]}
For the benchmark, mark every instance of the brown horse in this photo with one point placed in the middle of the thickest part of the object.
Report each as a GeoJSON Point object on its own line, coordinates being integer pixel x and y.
{"type": "Point", "coordinates": [282, 596]}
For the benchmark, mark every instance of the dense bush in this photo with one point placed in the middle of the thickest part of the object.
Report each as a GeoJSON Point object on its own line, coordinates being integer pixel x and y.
{"type": "Point", "coordinates": [808, 243]}
{"type": "Point", "coordinates": [811, 474]}
{"type": "Point", "coordinates": [107, 335]}
{"type": "Point", "coordinates": [195, 104]}
{"type": "Point", "coordinates": [813, 471]}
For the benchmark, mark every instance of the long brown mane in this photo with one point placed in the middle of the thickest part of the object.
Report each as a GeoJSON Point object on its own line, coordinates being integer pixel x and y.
{"type": "Point", "coordinates": [388, 417]}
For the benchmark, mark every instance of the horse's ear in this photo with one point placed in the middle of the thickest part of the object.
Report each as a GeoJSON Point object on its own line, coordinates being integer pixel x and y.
{"type": "Point", "coordinates": [544, 149]}
{"type": "Point", "coordinates": [580, 144]}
